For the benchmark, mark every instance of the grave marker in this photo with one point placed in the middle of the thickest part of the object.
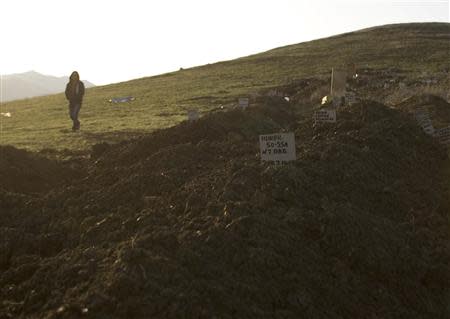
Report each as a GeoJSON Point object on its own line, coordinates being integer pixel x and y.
{"type": "Point", "coordinates": [422, 117]}
{"type": "Point", "coordinates": [193, 115]}
{"type": "Point", "coordinates": [352, 72]}
{"type": "Point", "coordinates": [325, 116]}
{"type": "Point", "coordinates": [244, 102]}
{"type": "Point", "coordinates": [443, 135]}
{"type": "Point", "coordinates": [278, 148]}
{"type": "Point", "coordinates": [338, 85]}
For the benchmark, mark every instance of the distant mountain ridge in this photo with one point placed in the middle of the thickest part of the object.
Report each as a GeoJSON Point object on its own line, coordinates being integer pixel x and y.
{"type": "Point", "coordinates": [31, 84]}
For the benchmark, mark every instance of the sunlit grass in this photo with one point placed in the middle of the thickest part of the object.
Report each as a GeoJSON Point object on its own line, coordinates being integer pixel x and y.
{"type": "Point", "coordinates": [162, 101]}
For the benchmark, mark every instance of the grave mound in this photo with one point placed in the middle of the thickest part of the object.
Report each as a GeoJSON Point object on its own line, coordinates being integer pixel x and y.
{"type": "Point", "coordinates": [438, 108]}
{"type": "Point", "coordinates": [187, 222]}
{"type": "Point", "coordinates": [24, 172]}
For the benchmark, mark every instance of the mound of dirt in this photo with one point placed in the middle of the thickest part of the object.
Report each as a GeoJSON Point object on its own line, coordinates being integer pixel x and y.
{"type": "Point", "coordinates": [188, 223]}
{"type": "Point", "coordinates": [437, 107]}
{"type": "Point", "coordinates": [24, 172]}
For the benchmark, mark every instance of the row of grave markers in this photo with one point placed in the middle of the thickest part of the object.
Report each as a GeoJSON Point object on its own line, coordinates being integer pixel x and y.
{"type": "Point", "coordinates": [279, 148]}
{"type": "Point", "coordinates": [243, 103]}
{"type": "Point", "coordinates": [338, 93]}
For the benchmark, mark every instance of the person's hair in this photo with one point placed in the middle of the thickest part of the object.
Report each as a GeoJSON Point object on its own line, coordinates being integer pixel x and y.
{"type": "Point", "coordinates": [74, 76]}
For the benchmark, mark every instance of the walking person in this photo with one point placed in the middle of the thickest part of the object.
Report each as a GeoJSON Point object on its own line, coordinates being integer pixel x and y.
{"type": "Point", "coordinates": [74, 93]}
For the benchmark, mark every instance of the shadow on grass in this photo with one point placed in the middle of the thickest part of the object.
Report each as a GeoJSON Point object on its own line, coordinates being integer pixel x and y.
{"type": "Point", "coordinates": [90, 139]}
{"type": "Point", "coordinates": [110, 137]}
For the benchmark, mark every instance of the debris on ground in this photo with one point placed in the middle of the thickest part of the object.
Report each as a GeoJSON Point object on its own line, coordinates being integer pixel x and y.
{"type": "Point", "coordinates": [121, 99]}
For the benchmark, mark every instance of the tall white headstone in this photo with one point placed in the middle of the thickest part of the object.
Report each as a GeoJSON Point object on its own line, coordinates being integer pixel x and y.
{"type": "Point", "coordinates": [338, 85]}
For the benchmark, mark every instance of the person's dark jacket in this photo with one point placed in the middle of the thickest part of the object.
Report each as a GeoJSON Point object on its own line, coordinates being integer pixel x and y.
{"type": "Point", "coordinates": [75, 92]}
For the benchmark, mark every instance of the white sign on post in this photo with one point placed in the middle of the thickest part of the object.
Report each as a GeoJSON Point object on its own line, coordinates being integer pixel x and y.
{"type": "Point", "coordinates": [193, 115]}
{"type": "Point", "coordinates": [244, 102]}
{"type": "Point", "coordinates": [325, 116]}
{"type": "Point", "coordinates": [443, 135]}
{"type": "Point", "coordinates": [278, 147]}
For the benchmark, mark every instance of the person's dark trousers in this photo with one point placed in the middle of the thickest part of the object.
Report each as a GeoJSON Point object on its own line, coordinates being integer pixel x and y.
{"type": "Point", "coordinates": [74, 109]}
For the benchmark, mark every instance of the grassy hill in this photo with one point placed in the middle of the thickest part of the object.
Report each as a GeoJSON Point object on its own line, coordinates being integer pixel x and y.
{"type": "Point", "coordinates": [187, 222]}
{"type": "Point", "coordinates": [161, 101]}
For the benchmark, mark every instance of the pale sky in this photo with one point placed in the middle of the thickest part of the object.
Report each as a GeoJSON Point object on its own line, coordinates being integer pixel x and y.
{"type": "Point", "coordinates": [117, 40]}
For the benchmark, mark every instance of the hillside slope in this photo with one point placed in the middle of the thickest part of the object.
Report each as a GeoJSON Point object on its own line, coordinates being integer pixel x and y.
{"type": "Point", "coordinates": [187, 222]}
{"type": "Point", "coordinates": [415, 53]}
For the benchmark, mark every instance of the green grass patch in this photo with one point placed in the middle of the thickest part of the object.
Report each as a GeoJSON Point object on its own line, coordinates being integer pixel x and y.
{"type": "Point", "coordinates": [162, 101]}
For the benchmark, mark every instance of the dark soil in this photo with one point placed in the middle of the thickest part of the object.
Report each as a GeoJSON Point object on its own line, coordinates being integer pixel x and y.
{"type": "Point", "coordinates": [188, 223]}
{"type": "Point", "coordinates": [24, 172]}
{"type": "Point", "coordinates": [437, 107]}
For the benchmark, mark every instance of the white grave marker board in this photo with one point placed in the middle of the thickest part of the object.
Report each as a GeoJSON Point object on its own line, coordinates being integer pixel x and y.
{"type": "Point", "coordinates": [325, 116]}
{"type": "Point", "coordinates": [193, 115]}
{"type": "Point", "coordinates": [244, 102]}
{"type": "Point", "coordinates": [278, 147]}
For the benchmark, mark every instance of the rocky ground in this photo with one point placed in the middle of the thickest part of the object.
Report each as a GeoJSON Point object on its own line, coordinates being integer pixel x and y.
{"type": "Point", "coordinates": [187, 222]}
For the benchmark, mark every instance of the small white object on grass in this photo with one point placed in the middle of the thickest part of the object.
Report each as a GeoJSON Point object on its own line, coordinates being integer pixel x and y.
{"type": "Point", "coordinates": [7, 114]}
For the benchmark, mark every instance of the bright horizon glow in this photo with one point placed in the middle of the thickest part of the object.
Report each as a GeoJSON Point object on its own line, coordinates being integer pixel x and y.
{"type": "Point", "coordinates": [116, 40]}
